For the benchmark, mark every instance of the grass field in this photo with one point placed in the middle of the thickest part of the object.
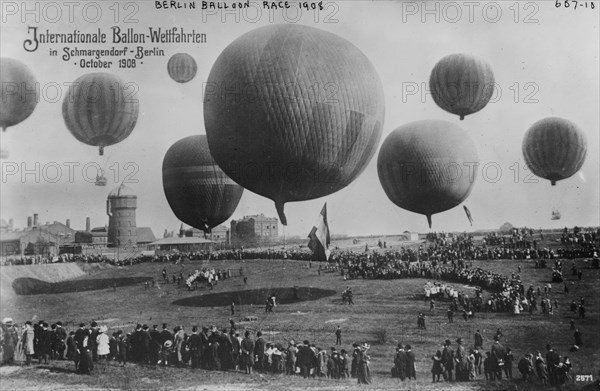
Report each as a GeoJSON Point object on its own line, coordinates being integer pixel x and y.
{"type": "Point", "coordinates": [383, 310]}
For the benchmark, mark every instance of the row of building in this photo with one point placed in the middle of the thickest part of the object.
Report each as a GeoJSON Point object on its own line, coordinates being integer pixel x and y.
{"type": "Point", "coordinates": [122, 232]}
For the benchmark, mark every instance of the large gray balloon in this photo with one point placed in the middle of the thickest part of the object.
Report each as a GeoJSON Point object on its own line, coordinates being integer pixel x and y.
{"type": "Point", "coordinates": [293, 113]}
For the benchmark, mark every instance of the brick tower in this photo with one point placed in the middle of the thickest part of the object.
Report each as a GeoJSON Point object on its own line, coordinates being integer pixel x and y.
{"type": "Point", "coordinates": [120, 208]}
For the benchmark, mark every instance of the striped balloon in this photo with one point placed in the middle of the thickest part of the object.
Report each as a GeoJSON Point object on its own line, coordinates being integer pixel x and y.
{"type": "Point", "coordinates": [182, 67]}
{"type": "Point", "coordinates": [198, 191]}
{"type": "Point", "coordinates": [462, 84]}
{"type": "Point", "coordinates": [427, 167]}
{"type": "Point", "coordinates": [554, 149]}
{"type": "Point", "coordinates": [20, 92]}
{"type": "Point", "coordinates": [292, 112]}
{"type": "Point", "coordinates": [99, 110]}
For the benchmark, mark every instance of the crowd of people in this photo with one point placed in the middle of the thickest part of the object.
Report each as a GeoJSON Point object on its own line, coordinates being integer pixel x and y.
{"type": "Point", "coordinates": [519, 244]}
{"type": "Point", "coordinates": [206, 347]}
{"type": "Point", "coordinates": [462, 364]}
{"type": "Point", "coordinates": [226, 350]}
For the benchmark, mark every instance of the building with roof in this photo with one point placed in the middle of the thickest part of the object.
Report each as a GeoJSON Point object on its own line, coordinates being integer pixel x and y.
{"type": "Point", "coordinates": [219, 234]}
{"type": "Point", "coordinates": [98, 237]}
{"type": "Point", "coordinates": [182, 244]}
{"type": "Point", "coordinates": [36, 239]}
{"type": "Point", "coordinates": [256, 229]}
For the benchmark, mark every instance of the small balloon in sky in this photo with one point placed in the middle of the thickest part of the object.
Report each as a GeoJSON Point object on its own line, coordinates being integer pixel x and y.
{"type": "Point", "coordinates": [182, 67]}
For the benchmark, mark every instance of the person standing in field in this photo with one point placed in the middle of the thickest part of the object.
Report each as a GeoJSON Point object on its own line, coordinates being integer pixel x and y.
{"type": "Point", "coordinates": [400, 362]}
{"type": "Point", "coordinates": [338, 336]}
{"type": "Point", "coordinates": [28, 337]}
{"type": "Point", "coordinates": [436, 369]}
{"type": "Point", "coordinates": [411, 372]}
{"type": "Point", "coordinates": [247, 356]}
{"type": "Point", "coordinates": [363, 370]}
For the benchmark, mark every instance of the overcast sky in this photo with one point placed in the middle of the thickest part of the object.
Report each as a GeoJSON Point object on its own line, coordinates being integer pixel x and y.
{"type": "Point", "coordinates": [545, 62]}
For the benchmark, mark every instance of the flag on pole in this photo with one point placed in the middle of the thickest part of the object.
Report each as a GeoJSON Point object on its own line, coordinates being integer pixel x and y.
{"type": "Point", "coordinates": [468, 212]}
{"type": "Point", "coordinates": [319, 237]}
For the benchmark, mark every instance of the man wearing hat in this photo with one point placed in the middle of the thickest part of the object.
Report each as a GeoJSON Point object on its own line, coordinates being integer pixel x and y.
{"type": "Point", "coordinates": [306, 358]}
{"type": "Point", "coordinates": [400, 362]}
{"type": "Point", "coordinates": [61, 335]}
{"type": "Point", "coordinates": [411, 372]}
{"type": "Point", "coordinates": [204, 347]}
{"type": "Point", "coordinates": [44, 343]}
{"type": "Point", "coordinates": [123, 347]}
{"type": "Point", "coordinates": [155, 344]}
{"type": "Point", "coordinates": [92, 344]}
{"type": "Point", "coordinates": [146, 344]}
{"type": "Point", "coordinates": [247, 354]}
{"type": "Point", "coordinates": [165, 335]}
{"type": "Point", "coordinates": [552, 361]}
{"type": "Point", "coordinates": [478, 339]}
{"type": "Point", "coordinates": [195, 344]}
{"type": "Point", "coordinates": [333, 364]}
{"type": "Point", "coordinates": [134, 344]}
{"type": "Point", "coordinates": [461, 361]}
{"type": "Point", "coordinates": [259, 351]}
{"type": "Point", "coordinates": [498, 352]}
{"type": "Point", "coordinates": [448, 360]}
{"type": "Point", "coordinates": [344, 365]}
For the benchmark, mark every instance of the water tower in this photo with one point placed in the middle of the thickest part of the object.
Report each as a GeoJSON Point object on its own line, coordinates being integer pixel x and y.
{"type": "Point", "coordinates": [120, 208]}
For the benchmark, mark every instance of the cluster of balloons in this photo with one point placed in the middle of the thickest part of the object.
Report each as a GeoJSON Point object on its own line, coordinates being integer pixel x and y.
{"type": "Point", "coordinates": [275, 129]}
{"type": "Point", "coordinates": [295, 113]}
{"type": "Point", "coordinates": [97, 110]}
{"type": "Point", "coordinates": [429, 167]}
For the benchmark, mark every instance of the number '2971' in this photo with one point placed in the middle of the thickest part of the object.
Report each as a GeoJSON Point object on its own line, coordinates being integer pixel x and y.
{"type": "Point", "coordinates": [574, 4]}
{"type": "Point", "coordinates": [584, 378]}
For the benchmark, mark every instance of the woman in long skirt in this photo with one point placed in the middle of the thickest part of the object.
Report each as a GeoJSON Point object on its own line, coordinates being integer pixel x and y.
{"type": "Point", "coordinates": [28, 346]}
{"type": "Point", "coordinates": [362, 365]}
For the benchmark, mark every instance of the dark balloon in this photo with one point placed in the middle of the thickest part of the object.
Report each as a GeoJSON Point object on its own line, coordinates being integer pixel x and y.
{"type": "Point", "coordinates": [100, 110]}
{"type": "Point", "coordinates": [198, 191]}
{"type": "Point", "coordinates": [182, 67]}
{"type": "Point", "coordinates": [462, 84]}
{"type": "Point", "coordinates": [554, 149]}
{"type": "Point", "coordinates": [20, 92]}
{"type": "Point", "coordinates": [293, 113]}
{"type": "Point", "coordinates": [427, 167]}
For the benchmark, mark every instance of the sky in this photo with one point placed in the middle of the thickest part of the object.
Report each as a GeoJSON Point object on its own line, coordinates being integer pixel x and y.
{"type": "Point", "coordinates": [545, 62]}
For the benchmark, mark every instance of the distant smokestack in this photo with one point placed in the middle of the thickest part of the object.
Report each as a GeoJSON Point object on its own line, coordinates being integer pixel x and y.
{"type": "Point", "coordinates": [87, 224]}
{"type": "Point", "coordinates": [10, 224]}
{"type": "Point", "coordinates": [68, 223]}
{"type": "Point", "coordinates": [29, 221]}
{"type": "Point", "coordinates": [35, 219]}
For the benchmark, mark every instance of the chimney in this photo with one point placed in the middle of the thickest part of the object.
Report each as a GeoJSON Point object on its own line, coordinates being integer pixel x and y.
{"type": "Point", "coordinates": [87, 224]}
{"type": "Point", "coordinates": [35, 219]}
{"type": "Point", "coordinates": [29, 221]}
{"type": "Point", "coordinates": [68, 223]}
{"type": "Point", "coordinates": [10, 224]}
